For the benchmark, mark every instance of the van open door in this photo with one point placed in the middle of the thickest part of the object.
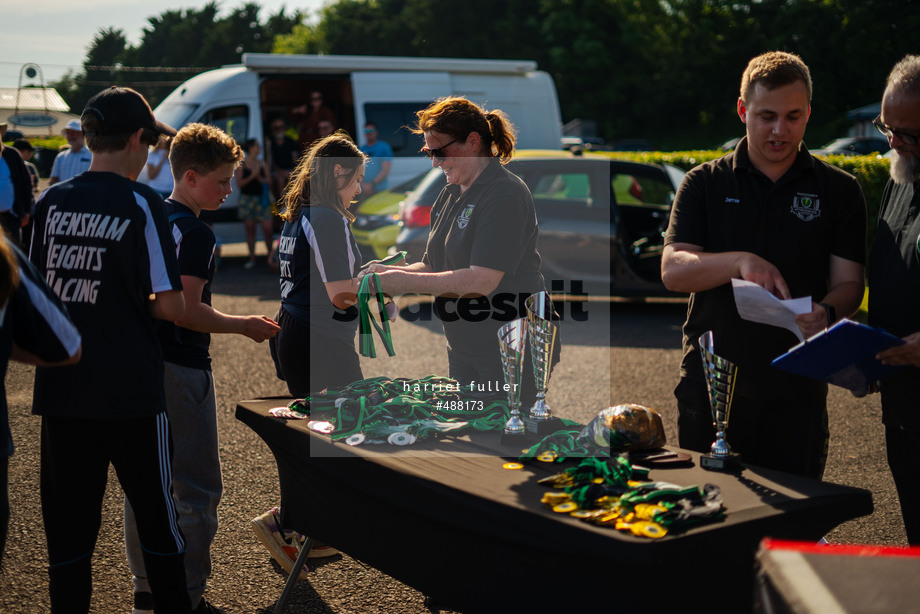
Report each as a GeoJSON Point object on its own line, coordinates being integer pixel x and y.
{"type": "Point", "coordinates": [390, 100]}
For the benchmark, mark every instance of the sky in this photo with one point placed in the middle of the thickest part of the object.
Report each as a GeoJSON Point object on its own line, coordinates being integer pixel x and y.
{"type": "Point", "coordinates": [54, 34]}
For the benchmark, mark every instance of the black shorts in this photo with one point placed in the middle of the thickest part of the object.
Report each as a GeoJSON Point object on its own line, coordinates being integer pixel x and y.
{"type": "Point", "coordinates": [309, 361]}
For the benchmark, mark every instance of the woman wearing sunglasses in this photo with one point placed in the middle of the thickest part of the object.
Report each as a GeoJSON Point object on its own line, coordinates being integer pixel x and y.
{"type": "Point", "coordinates": [481, 260]}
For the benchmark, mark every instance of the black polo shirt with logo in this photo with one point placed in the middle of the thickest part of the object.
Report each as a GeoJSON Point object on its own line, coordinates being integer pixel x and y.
{"type": "Point", "coordinates": [894, 294]}
{"type": "Point", "coordinates": [813, 212]}
{"type": "Point", "coordinates": [494, 225]}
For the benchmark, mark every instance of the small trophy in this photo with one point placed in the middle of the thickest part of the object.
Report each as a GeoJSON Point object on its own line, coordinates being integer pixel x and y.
{"type": "Point", "coordinates": [542, 333]}
{"type": "Point", "coordinates": [512, 341]}
{"type": "Point", "coordinates": [720, 380]}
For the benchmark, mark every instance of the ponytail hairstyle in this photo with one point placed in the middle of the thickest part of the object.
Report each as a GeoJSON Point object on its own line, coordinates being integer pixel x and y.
{"type": "Point", "coordinates": [458, 117]}
{"type": "Point", "coordinates": [313, 182]}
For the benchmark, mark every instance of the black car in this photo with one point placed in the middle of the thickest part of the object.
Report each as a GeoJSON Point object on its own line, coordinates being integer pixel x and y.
{"type": "Point", "coordinates": [854, 146]}
{"type": "Point", "coordinates": [602, 221]}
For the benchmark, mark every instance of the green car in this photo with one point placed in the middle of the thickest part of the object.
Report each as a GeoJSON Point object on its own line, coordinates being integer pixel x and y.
{"type": "Point", "coordinates": [375, 226]}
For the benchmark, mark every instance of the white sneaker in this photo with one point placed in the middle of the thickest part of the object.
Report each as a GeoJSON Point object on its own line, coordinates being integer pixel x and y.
{"type": "Point", "coordinates": [284, 545]}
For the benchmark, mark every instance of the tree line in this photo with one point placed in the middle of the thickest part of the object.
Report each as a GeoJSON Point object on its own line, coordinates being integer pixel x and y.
{"type": "Point", "coordinates": [174, 46]}
{"type": "Point", "coordinates": [663, 70]}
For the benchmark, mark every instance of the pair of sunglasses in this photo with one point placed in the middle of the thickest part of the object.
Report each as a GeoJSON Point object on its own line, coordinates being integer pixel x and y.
{"type": "Point", "coordinates": [437, 152]}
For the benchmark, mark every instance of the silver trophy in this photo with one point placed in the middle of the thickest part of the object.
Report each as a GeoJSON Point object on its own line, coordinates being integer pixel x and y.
{"type": "Point", "coordinates": [512, 342]}
{"type": "Point", "coordinates": [542, 333]}
{"type": "Point", "coordinates": [721, 375]}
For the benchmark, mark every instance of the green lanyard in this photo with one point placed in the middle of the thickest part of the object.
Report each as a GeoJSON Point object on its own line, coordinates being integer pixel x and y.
{"type": "Point", "coordinates": [366, 318]}
{"type": "Point", "coordinates": [386, 261]}
{"type": "Point", "coordinates": [563, 444]}
{"type": "Point", "coordinates": [420, 406]}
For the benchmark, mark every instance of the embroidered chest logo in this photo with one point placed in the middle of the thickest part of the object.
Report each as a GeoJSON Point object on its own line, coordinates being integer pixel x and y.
{"type": "Point", "coordinates": [806, 207]}
{"type": "Point", "coordinates": [464, 218]}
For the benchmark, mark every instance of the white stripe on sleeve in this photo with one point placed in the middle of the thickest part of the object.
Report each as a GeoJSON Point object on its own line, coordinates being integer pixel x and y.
{"type": "Point", "coordinates": [310, 234]}
{"type": "Point", "coordinates": [62, 328]}
{"type": "Point", "coordinates": [159, 276]}
{"type": "Point", "coordinates": [351, 254]}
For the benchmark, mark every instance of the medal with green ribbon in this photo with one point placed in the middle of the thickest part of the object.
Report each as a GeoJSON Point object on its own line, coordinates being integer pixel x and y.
{"type": "Point", "coordinates": [366, 318]}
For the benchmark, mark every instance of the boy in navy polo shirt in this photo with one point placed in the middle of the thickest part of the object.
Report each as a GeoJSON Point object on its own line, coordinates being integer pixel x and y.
{"type": "Point", "coordinates": [203, 160]}
{"type": "Point", "coordinates": [101, 240]}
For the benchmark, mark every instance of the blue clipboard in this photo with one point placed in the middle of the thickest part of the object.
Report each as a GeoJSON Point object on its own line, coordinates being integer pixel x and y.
{"type": "Point", "coordinates": [842, 355]}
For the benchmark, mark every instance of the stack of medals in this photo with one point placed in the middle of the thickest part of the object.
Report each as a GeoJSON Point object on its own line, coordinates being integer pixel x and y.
{"type": "Point", "coordinates": [564, 443]}
{"type": "Point", "coordinates": [613, 492]}
{"type": "Point", "coordinates": [397, 411]}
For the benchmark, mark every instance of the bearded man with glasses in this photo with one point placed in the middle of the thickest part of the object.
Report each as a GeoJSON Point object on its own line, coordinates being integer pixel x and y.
{"type": "Point", "coordinates": [894, 285]}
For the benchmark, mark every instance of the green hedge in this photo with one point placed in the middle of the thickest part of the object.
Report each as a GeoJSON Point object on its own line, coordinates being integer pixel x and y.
{"type": "Point", "coordinates": [870, 171]}
{"type": "Point", "coordinates": [54, 142]}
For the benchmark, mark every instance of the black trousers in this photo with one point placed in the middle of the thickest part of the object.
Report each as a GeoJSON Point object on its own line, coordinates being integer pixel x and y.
{"type": "Point", "coordinates": [784, 435]}
{"type": "Point", "coordinates": [76, 454]}
{"type": "Point", "coordinates": [904, 461]}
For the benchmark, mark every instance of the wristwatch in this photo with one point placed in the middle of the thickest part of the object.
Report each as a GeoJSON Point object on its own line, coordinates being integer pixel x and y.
{"type": "Point", "coordinates": [831, 313]}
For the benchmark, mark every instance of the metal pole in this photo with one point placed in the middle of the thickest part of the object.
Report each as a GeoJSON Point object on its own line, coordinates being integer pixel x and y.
{"type": "Point", "coordinates": [295, 573]}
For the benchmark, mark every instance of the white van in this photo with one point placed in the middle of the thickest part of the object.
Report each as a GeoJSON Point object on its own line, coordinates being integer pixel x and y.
{"type": "Point", "coordinates": [244, 99]}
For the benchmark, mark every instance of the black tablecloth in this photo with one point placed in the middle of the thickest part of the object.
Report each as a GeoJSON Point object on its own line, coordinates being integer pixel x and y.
{"type": "Point", "coordinates": [447, 519]}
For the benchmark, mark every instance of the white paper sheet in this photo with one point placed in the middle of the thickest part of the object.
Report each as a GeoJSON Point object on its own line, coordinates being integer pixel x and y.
{"type": "Point", "coordinates": [754, 303]}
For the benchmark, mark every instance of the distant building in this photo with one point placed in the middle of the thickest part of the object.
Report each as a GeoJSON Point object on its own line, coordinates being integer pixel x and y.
{"type": "Point", "coordinates": [862, 120]}
{"type": "Point", "coordinates": [34, 111]}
